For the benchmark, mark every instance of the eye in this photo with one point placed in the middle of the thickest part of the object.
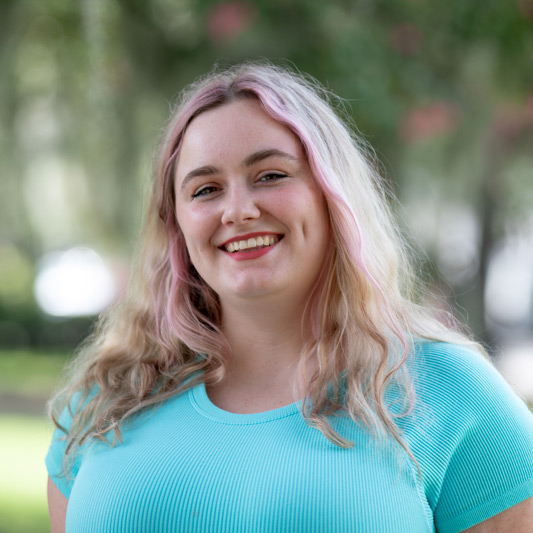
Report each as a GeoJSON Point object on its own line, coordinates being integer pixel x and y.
{"type": "Point", "coordinates": [204, 191]}
{"type": "Point", "coordinates": [272, 176]}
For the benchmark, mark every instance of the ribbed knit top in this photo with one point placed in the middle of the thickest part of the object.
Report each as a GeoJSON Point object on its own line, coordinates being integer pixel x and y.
{"type": "Point", "coordinates": [189, 466]}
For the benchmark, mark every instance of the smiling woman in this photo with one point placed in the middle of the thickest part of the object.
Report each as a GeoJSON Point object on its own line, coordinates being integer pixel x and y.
{"type": "Point", "coordinates": [268, 369]}
{"type": "Point", "coordinates": [258, 186]}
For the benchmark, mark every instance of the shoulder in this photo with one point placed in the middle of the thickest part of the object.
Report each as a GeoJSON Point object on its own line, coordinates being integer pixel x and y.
{"type": "Point", "coordinates": [459, 390]}
{"type": "Point", "coordinates": [449, 361]}
{"type": "Point", "coordinates": [471, 434]}
{"type": "Point", "coordinates": [444, 371]}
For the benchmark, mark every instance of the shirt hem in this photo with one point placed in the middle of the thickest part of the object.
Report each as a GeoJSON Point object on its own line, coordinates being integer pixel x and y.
{"type": "Point", "coordinates": [487, 510]}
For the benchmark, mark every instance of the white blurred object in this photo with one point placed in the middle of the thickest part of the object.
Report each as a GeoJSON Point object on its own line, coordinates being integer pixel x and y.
{"type": "Point", "coordinates": [55, 192]}
{"type": "Point", "coordinates": [73, 283]}
{"type": "Point", "coordinates": [454, 230]}
{"type": "Point", "coordinates": [509, 289]}
{"type": "Point", "coordinates": [458, 238]}
{"type": "Point", "coordinates": [516, 364]}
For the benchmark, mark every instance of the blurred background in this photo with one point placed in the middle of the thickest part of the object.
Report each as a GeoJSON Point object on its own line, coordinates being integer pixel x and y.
{"type": "Point", "coordinates": [443, 91]}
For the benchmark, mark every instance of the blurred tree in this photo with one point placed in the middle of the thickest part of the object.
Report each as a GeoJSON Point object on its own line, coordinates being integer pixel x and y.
{"type": "Point", "coordinates": [443, 90]}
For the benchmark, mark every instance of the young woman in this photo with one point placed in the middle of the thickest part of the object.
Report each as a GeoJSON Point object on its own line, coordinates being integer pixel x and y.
{"type": "Point", "coordinates": [268, 370]}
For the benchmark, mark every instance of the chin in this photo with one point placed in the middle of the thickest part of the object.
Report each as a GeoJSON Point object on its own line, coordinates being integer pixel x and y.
{"type": "Point", "coordinates": [250, 290]}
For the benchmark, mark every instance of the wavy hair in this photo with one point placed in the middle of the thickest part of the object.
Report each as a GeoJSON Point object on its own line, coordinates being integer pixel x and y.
{"type": "Point", "coordinates": [164, 336]}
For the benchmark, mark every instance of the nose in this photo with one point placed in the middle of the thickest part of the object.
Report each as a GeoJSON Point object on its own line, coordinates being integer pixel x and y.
{"type": "Point", "coordinates": [239, 206]}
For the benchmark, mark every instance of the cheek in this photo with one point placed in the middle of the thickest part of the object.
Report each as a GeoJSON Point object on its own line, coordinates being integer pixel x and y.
{"type": "Point", "coordinates": [311, 206]}
{"type": "Point", "coordinates": [194, 224]}
{"type": "Point", "coordinates": [197, 226]}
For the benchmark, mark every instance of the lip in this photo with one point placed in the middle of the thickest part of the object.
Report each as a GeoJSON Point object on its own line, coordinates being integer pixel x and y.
{"type": "Point", "coordinates": [254, 254]}
{"type": "Point", "coordinates": [247, 236]}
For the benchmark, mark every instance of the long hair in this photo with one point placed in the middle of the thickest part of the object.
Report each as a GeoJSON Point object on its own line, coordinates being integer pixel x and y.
{"type": "Point", "coordinates": [164, 336]}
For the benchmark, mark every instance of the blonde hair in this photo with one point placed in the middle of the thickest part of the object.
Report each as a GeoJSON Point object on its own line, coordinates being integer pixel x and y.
{"type": "Point", "coordinates": [164, 336]}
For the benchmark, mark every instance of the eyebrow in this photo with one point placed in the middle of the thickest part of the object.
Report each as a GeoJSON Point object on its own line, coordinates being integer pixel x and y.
{"type": "Point", "coordinates": [252, 159]}
{"type": "Point", "coordinates": [256, 157]}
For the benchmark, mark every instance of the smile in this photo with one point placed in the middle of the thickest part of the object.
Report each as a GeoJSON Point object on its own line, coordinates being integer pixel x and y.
{"type": "Point", "coordinates": [251, 244]}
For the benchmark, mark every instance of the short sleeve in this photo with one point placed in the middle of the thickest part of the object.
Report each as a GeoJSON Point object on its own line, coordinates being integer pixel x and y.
{"type": "Point", "coordinates": [55, 457]}
{"type": "Point", "coordinates": [475, 441]}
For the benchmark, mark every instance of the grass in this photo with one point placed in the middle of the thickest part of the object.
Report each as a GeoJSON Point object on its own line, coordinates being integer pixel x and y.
{"type": "Point", "coordinates": [23, 446]}
{"type": "Point", "coordinates": [24, 438]}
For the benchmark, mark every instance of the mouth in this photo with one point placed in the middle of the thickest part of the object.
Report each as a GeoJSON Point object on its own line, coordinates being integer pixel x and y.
{"type": "Point", "coordinates": [251, 244]}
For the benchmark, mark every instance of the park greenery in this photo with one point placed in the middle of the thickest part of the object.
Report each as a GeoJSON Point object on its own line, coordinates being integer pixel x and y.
{"type": "Point", "coordinates": [442, 90]}
{"type": "Point", "coordinates": [27, 379]}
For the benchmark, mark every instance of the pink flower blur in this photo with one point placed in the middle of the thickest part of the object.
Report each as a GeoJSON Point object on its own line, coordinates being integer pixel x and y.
{"type": "Point", "coordinates": [227, 20]}
{"type": "Point", "coordinates": [526, 8]}
{"type": "Point", "coordinates": [430, 121]}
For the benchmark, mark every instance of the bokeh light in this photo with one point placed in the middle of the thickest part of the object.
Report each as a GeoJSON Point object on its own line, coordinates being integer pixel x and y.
{"type": "Point", "coordinates": [73, 283]}
{"type": "Point", "coordinates": [509, 289]}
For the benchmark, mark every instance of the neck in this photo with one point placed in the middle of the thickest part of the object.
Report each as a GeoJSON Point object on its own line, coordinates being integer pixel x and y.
{"type": "Point", "coordinates": [266, 341]}
{"type": "Point", "coordinates": [264, 338]}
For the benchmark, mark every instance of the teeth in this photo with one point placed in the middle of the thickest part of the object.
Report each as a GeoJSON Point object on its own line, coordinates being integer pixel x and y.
{"type": "Point", "coordinates": [258, 242]}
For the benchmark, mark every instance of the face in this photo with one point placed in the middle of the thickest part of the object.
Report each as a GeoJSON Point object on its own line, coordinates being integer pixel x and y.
{"type": "Point", "coordinates": [254, 220]}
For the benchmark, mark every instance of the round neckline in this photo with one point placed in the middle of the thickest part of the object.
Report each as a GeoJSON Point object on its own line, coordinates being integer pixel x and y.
{"type": "Point", "coordinates": [201, 402]}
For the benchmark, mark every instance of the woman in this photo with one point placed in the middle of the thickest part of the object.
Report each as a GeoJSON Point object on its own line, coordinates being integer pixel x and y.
{"type": "Point", "coordinates": [268, 370]}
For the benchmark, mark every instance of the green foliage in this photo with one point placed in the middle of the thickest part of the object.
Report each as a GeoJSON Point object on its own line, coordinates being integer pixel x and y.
{"type": "Point", "coordinates": [435, 86]}
{"type": "Point", "coordinates": [16, 275]}
{"type": "Point", "coordinates": [26, 326]}
{"type": "Point", "coordinates": [31, 373]}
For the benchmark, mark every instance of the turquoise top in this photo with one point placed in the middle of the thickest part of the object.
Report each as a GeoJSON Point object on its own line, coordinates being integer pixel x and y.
{"type": "Point", "coordinates": [189, 466]}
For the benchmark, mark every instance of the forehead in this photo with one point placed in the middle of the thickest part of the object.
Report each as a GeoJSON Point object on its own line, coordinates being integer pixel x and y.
{"type": "Point", "coordinates": [230, 133]}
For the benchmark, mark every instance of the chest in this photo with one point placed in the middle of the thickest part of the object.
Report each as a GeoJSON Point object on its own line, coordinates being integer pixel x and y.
{"type": "Point", "coordinates": [196, 474]}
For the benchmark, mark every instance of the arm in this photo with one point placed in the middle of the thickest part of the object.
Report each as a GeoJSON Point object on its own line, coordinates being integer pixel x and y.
{"type": "Point", "coordinates": [57, 507]}
{"type": "Point", "coordinates": [517, 519]}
